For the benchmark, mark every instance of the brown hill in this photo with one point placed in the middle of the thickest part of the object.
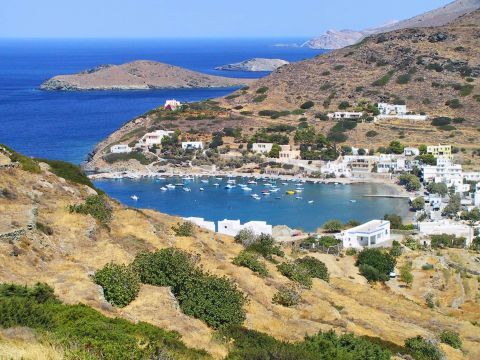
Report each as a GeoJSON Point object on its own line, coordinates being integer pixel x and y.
{"type": "Point", "coordinates": [40, 240]}
{"type": "Point", "coordinates": [425, 67]}
{"type": "Point", "coordinates": [137, 75]}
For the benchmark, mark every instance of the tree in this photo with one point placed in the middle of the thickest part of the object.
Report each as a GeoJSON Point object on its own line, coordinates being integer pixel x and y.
{"type": "Point", "coordinates": [438, 188]}
{"type": "Point", "coordinates": [423, 149]}
{"type": "Point", "coordinates": [418, 203]}
{"type": "Point", "coordinates": [381, 261]}
{"type": "Point", "coordinates": [422, 349]}
{"type": "Point", "coordinates": [120, 284]}
{"type": "Point", "coordinates": [275, 151]}
{"type": "Point", "coordinates": [472, 215]}
{"type": "Point", "coordinates": [396, 249]}
{"type": "Point", "coordinates": [410, 181]}
{"type": "Point", "coordinates": [343, 105]}
{"type": "Point", "coordinates": [451, 338]}
{"type": "Point", "coordinates": [395, 220]}
{"type": "Point", "coordinates": [406, 274]}
{"type": "Point", "coordinates": [396, 147]}
{"type": "Point", "coordinates": [245, 237]}
{"type": "Point", "coordinates": [427, 159]}
{"type": "Point", "coordinates": [332, 226]}
{"type": "Point", "coordinates": [453, 206]}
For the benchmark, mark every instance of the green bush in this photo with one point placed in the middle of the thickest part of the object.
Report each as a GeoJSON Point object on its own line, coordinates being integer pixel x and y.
{"type": "Point", "coordinates": [245, 237]}
{"type": "Point", "coordinates": [46, 229]}
{"type": "Point", "coordinates": [286, 296]}
{"type": "Point", "coordinates": [343, 105]}
{"type": "Point", "coordinates": [262, 90]}
{"type": "Point", "coordinates": [332, 226]}
{"type": "Point", "coordinates": [96, 206]}
{"type": "Point", "coordinates": [442, 120]}
{"type": "Point", "coordinates": [418, 203]}
{"type": "Point", "coordinates": [410, 181]}
{"type": "Point", "coordinates": [384, 80]}
{"type": "Point", "coordinates": [338, 67]}
{"type": "Point", "coordinates": [404, 79]}
{"type": "Point", "coordinates": [427, 267]}
{"type": "Point", "coordinates": [68, 171]}
{"type": "Point", "coordinates": [438, 188]}
{"type": "Point", "coordinates": [26, 163]}
{"type": "Point", "coordinates": [406, 274]}
{"type": "Point", "coordinates": [377, 259]}
{"type": "Point", "coordinates": [351, 252]}
{"type": "Point", "coordinates": [134, 155]}
{"type": "Point", "coordinates": [422, 349]}
{"type": "Point", "coordinates": [259, 98]}
{"type": "Point", "coordinates": [451, 338]}
{"type": "Point", "coordinates": [314, 267]}
{"type": "Point", "coordinates": [265, 246]}
{"type": "Point", "coordinates": [396, 249]}
{"type": "Point", "coordinates": [250, 261]}
{"type": "Point", "coordinates": [307, 105]}
{"type": "Point", "coordinates": [454, 104]}
{"type": "Point", "coordinates": [120, 284]}
{"type": "Point", "coordinates": [371, 133]}
{"type": "Point", "coordinates": [466, 90]}
{"type": "Point", "coordinates": [296, 272]}
{"type": "Point", "coordinates": [184, 229]}
{"type": "Point", "coordinates": [447, 241]}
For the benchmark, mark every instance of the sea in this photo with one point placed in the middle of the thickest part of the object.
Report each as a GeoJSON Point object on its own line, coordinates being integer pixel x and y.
{"type": "Point", "coordinates": [67, 125]}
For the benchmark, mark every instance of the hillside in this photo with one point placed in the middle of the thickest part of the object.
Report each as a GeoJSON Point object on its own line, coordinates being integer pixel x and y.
{"type": "Point", "coordinates": [41, 240]}
{"type": "Point", "coordinates": [138, 75]}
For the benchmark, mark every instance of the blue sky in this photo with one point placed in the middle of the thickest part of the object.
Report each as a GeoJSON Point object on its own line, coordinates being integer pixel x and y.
{"type": "Point", "coordinates": [198, 18]}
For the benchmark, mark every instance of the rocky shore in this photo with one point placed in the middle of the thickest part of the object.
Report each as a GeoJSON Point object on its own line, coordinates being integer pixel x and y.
{"type": "Point", "coordinates": [253, 65]}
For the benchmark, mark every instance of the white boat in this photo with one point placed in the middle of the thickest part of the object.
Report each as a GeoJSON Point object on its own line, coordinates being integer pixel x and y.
{"type": "Point", "coordinates": [298, 197]}
{"type": "Point", "coordinates": [298, 190]}
{"type": "Point", "coordinates": [187, 178]}
{"type": "Point", "coordinates": [353, 201]}
{"type": "Point", "coordinates": [219, 178]}
{"type": "Point", "coordinates": [229, 186]}
{"type": "Point", "coordinates": [204, 181]}
{"type": "Point", "coordinates": [252, 182]}
{"type": "Point", "coordinates": [274, 190]}
{"type": "Point", "coordinates": [216, 184]}
{"type": "Point", "coordinates": [134, 197]}
{"type": "Point", "coordinates": [187, 189]}
{"type": "Point", "coordinates": [202, 189]}
{"type": "Point", "coordinates": [255, 196]}
{"type": "Point", "coordinates": [242, 185]}
{"type": "Point", "coordinates": [231, 181]}
{"type": "Point", "coordinates": [284, 183]}
{"type": "Point", "coordinates": [163, 188]}
{"type": "Point", "coordinates": [310, 202]}
{"type": "Point", "coordinates": [180, 184]}
{"type": "Point", "coordinates": [170, 186]}
{"type": "Point", "coordinates": [246, 188]}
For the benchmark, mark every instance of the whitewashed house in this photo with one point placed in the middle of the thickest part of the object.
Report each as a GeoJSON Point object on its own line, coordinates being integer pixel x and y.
{"type": "Point", "coordinates": [172, 105]}
{"type": "Point", "coordinates": [447, 227]}
{"type": "Point", "coordinates": [263, 148]}
{"type": "Point", "coordinates": [189, 145]}
{"type": "Point", "coordinates": [476, 199]}
{"type": "Point", "coordinates": [355, 151]}
{"type": "Point", "coordinates": [336, 168]}
{"type": "Point", "coordinates": [392, 109]}
{"type": "Point", "coordinates": [471, 175]}
{"type": "Point", "coordinates": [373, 233]}
{"type": "Point", "coordinates": [120, 149]}
{"type": "Point", "coordinates": [411, 151]}
{"type": "Point", "coordinates": [201, 222]}
{"type": "Point", "coordinates": [233, 227]}
{"type": "Point", "coordinates": [340, 115]}
{"type": "Point", "coordinates": [154, 138]}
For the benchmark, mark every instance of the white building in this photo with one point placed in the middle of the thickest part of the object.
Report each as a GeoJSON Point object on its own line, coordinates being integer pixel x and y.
{"type": "Point", "coordinates": [392, 109]}
{"type": "Point", "coordinates": [172, 105]}
{"type": "Point", "coordinates": [339, 115]}
{"type": "Point", "coordinates": [411, 151]}
{"type": "Point", "coordinates": [154, 138]}
{"type": "Point", "coordinates": [263, 148]}
{"type": "Point", "coordinates": [233, 227]}
{"type": "Point", "coordinates": [337, 169]}
{"type": "Point", "coordinates": [471, 176]}
{"type": "Point", "coordinates": [120, 149]}
{"type": "Point", "coordinates": [355, 151]}
{"type": "Point", "coordinates": [192, 145]}
{"type": "Point", "coordinates": [447, 227]}
{"type": "Point", "coordinates": [372, 233]}
{"type": "Point", "coordinates": [476, 199]}
{"type": "Point", "coordinates": [287, 153]}
{"type": "Point", "coordinates": [201, 222]}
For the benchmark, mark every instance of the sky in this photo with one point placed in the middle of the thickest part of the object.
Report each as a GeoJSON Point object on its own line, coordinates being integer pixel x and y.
{"type": "Point", "coordinates": [198, 18]}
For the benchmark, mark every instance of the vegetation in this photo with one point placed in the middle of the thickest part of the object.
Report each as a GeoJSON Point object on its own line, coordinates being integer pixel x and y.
{"type": "Point", "coordinates": [250, 260]}
{"type": "Point", "coordinates": [371, 133]}
{"type": "Point", "coordinates": [84, 332]}
{"type": "Point", "coordinates": [26, 163]}
{"type": "Point", "coordinates": [418, 203]}
{"type": "Point", "coordinates": [287, 296]}
{"type": "Point", "coordinates": [396, 147]}
{"type": "Point", "coordinates": [297, 273]}
{"type": "Point", "coordinates": [375, 264]}
{"type": "Point", "coordinates": [134, 155]}
{"type": "Point", "coordinates": [439, 121]}
{"type": "Point", "coordinates": [265, 246]}
{"type": "Point", "coordinates": [96, 206]}
{"type": "Point", "coordinates": [410, 181]}
{"type": "Point", "coordinates": [404, 79]}
{"type": "Point", "coordinates": [215, 300]}
{"type": "Point", "coordinates": [184, 229]}
{"type": "Point", "coordinates": [384, 80]}
{"type": "Point", "coordinates": [120, 284]}
{"type": "Point", "coordinates": [422, 349]}
{"type": "Point", "coordinates": [259, 98]}
{"type": "Point", "coordinates": [451, 338]}
{"type": "Point", "coordinates": [68, 171]}
{"type": "Point", "coordinates": [406, 275]}
{"type": "Point", "coordinates": [245, 237]}
{"type": "Point", "coordinates": [343, 105]}
{"type": "Point", "coordinates": [454, 104]}
{"type": "Point", "coordinates": [396, 249]}
{"type": "Point", "coordinates": [315, 268]}
{"type": "Point", "coordinates": [262, 90]}
{"type": "Point", "coordinates": [438, 188]}
{"type": "Point", "coordinates": [333, 226]}
{"type": "Point", "coordinates": [307, 105]}
{"type": "Point", "coordinates": [275, 151]}
{"type": "Point", "coordinates": [453, 206]}
{"type": "Point", "coordinates": [447, 241]}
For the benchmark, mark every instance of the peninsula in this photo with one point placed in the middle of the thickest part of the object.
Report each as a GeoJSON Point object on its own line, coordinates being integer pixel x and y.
{"type": "Point", "coordinates": [255, 64]}
{"type": "Point", "coordinates": [139, 75]}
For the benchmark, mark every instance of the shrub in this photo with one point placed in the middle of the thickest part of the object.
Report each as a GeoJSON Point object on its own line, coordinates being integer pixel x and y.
{"type": "Point", "coordinates": [351, 252]}
{"type": "Point", "coordinates": [439, 121]}
{"type": "Point", "coordinates": [447, 240]}
{"type": "Point", "coordinates": [371, 133]}
{"type": "Point", "coordinates": [184, 229]}
{"type": "Point", "coordinates": [396, 249]}
{"type": "Point", "coordinates": [338, 67]}
{"type": "Point", "coordinates": [120, 284]}
{"type": "Point", "coordinates": [406, 274]}
{"type": "Point", "coordinates": [26, 163]}
{"type": "Point", "coordinates": [404, 79]}
{"type": "Point", "coordinates": [307, 105]}
{"type": "Point", "coordinates": [332, 226]}
{"type": "Point", "coordinates": [262, 90]}
{"type": "Point", "coordinates": [314, 267]}
{"type": "Point", "coordinates": [96, 206]}
{"type": "Point", "coordinates": [344, 105]}
{"type": "Point", "coordinates": [454, 104]}
{"type": "Point", "coordinates": [451, 338]}
{"type": "Point", "coordinates": [438, 188]}
{"type": "Point", "coordinates": [287, 296]}
{"type": "Point", "coordinates": [68, 171]}
{"type": "Point", "coordinates": [297, 273]}
{"type": "Point", "coordinates": [447, 127]}
{"type": "Point", "coordinates": [466, 90]}
{"type": "Point", "coordinates": [396, 147]}
{"type": "Point", "coordinates": [377, 259]}
{"type": "Point", "coordinates": [384, 79]}
{"type": "Point", "coordinates": [435, 66]}
{"type": "Point", "coordinates": [259, 98]}
{"type": "Point", "coordinates": [422, 349]}
{"type": "Point", "coordinates": [265, 246]}
{"type": "Point", "coordinates": [46, 229]}
{"type": "Point", "coordinates": [245, 237]}
{"type": "Point", "coordinates": [325, 73]}
{"type": "Point", "coordinates": [418, 203]}
{"type": "Point", "coordinates": [458, 120]}
{"type": "Point", "coordinates": [427, 267]}
{"type": "Point", "coordinates": [250, 261]}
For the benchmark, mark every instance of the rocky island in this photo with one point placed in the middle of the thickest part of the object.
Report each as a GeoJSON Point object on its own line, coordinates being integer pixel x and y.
{"type": "Point", "coordinates": [138, 75]}
{"type": "Point", "coordinates": [255, 64]}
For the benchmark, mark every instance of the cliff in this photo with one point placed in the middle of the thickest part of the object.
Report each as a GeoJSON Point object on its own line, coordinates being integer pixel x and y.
{"type": "Point", "coordinates": [138, 75]}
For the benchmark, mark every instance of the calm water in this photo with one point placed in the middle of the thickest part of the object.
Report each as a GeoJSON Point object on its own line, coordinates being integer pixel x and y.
{"type": "Point", "coordinates": [67, 125]}
{"type": "Point", "coordinates": [217, 203]}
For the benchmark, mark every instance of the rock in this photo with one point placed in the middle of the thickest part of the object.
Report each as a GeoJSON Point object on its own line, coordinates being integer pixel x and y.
{"type": "Point", "coordinates": [255, 64]}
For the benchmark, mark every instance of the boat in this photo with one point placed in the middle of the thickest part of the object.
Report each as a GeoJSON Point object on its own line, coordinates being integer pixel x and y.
{"type": "Point", "coordinates": [298, 190]}
{"type": "Point", "coordinates": [265, 192]}
{"type": "Point", "coordinates": [170, 186]}
{"type": "Point", "coordinates": [298, 197]}
{"type": "Point", "coordinates": [284, 183]}
{"type": "Point", "coordinates": [246, 188]}
{"type": "Point", "coordinates": [255, 196]}
{"type": "Point", "coordinates": [134, 197]}
{"type": "Point", "coordinates": [274, 190]}
{"type": "Point", "coordinates": [202, 189]}
{"type": "Point", "coordinates": [187, 178]}
{"type": "Point", "coordinates": [204, 181]}
{"type": "Point", "coordinates": [163, 188]}
{"type": "Point", "coordinates": [353, 201]}
{"type": "Point", "coordinates": [187, 189]}
{"type": "Point", "coordinates": [219, 178]}
{"type": "Point", "coordinates": [216, 184]}
{"type": "Point", "coordinates": [290, 192]}
{"type": "Point", "coordinates": [310, 202]}
{"type": "Point", "coordinates": [278, 197]}
{"type": "Point", "coordinates": [229, 186]}
{"type": "Point", "coordinates": [179, 184]}
{"type": "Point", "coordinates": [231, 181]}
{"type": "Point", "coordinates": [252, 182]}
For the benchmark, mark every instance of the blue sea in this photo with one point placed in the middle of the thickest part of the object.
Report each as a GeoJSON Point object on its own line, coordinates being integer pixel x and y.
{"type": "Point", "coordinates": [67, 125]}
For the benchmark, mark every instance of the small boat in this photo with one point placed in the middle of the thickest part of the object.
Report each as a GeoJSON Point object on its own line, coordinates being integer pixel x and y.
{"type": "Point", "coordinates": [163, 188]}
{"type": "Point", "coordinates": [180, 184]}
{"type": "Point", "coordinates": [219, 178]}
{"type": "Point", "coordinates": [134, 197]}
{"type": "Point", "coordinates": [265, 192]}
{"type": "Point", "coordinates": [252, 182]}
{"type": "Point", "coordinates": [216, 184]}
{"type": "Point", "coordinates": [242, 185]}
{"type": "Point", "coordinates": [298, 190]}
{"type": "Point", "coordinates": [290, 192]}
{"type": "Point", "coordinates": [274, 190]}
{"type": "Point", "coordinates": [255, 196]}
{"type": "Point", "coordinates": [284, 183]}
{"type": "Point", "coordinates": [229, 186]}
{"type": "Point", "coordinates": [187, 189]}
{"type": "Point", "coordinates": [231, 181]}
{"type": "Point", "coordinates": [268, 185]}
{"type": "Point", "coordinates": [310, 202]}
{"type": "Point", "coordinates": [187, 178]}
{"type": "Point", "coordinates": [298, 197]}
{"type": "Point", "coordinates": [353, 201]}
{"type": "Point", "coordinates": [204, 181]}
{"type": "Point", "coordinates": [246, 188]}
{"type": "Point", "coordinates": [202, 189]}
{"type": "Point", "coordinates": [278, 197]}
{"type": "Point", "coordinates": [170, 186]}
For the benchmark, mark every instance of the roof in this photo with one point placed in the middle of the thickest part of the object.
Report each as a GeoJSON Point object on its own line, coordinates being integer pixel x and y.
{"type": "Point", "coordinates": [370, 226]}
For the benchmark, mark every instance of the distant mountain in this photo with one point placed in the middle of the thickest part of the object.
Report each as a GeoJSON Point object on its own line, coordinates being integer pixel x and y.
{"type": "Point", "coordinates": [138, 75]}
{"type": "Point", "coordinates": [334, 39]}
{"type": "Point", "coordinates": [255, 64]}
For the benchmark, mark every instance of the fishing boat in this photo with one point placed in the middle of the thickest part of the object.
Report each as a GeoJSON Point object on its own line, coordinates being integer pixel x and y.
{"type": "Point", "coordinates": [134, 197]}
{"type": "Point", "coordinates": [179, 184]}
{"type": "Point", "coordinates": [202, 189]}
{"type": "Point", "coordinates": [290, 192]}
{"type": "Point", "coordinates": [170, 186]}
{"type": "Point", "coordinates": [229, 186]}
{"type": "Point", "coordinates": [298, 190]}
{"type": "Point", "coordinates": [252, 182]}
{"type": "Point", "coordinates": [298, 197]}
{"type": "Point", "coordinates": [163, 188]}
{"type": "Point", "coordinates": [246, 188]}
{"type": "Point", "coordinates": [310, 202]}
{"type": "Point", "coordinates": [265, 192]}
{"type": "Point", "coordinates": [353, 201]}
{"type": "Point", "coordinates": [187, 189]}
{"type": "Point", "coordinates": [216, 184]}
{"type": "Point", "coordinates": [204, 181]}
{"type": "Point", "coordinates": [256, 196]}
{"type": "Point", "coordinates": [274, 189]}
{"type": "Point", "coordinates": [219, 178]}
